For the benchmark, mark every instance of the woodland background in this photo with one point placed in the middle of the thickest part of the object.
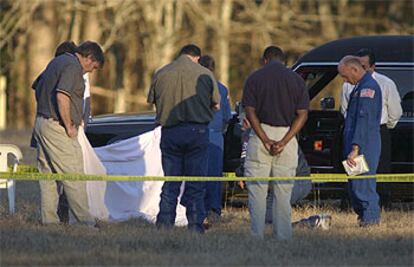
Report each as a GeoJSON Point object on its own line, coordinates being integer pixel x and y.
{"type": "Point", "coordinates": [138, 36]}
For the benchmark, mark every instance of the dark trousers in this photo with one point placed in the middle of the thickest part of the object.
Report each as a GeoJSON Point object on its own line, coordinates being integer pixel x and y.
{"type": "Point", "coordinates": [363, 192]}
{"type": "Point", "coordinates": [212, 200]}
{"type": "Point", "coordinates": [184, 153]}
{"type": "Point", "coordinates": [365, 200]}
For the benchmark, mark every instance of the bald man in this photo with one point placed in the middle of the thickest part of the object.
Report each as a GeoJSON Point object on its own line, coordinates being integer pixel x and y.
{"type": "Point", "coordinates": [362, 136]}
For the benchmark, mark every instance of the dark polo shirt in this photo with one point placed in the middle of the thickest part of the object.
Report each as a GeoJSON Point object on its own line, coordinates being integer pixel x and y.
{"type": "Point", "coordinates": [63, 74]}
{"type": "Point", "coordinates": [276, 92]}
{"type": "Point", "coordinates": [183, 92]}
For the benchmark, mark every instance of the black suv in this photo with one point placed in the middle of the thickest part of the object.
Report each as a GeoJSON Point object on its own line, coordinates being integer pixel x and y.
{"type": "Point", "coordinates": [321, 137]}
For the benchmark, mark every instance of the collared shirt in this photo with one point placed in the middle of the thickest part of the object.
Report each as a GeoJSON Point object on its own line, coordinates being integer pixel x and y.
{"type": "Point", "coordinates": [183, 92]}
{"type": "Point", "coordinates": [276, 93]}
{"type": "Point", "coordinates": [63, 74]}
{"type": "Point", "coordinates": [222, 116]}
{"type": "Point", "coordinates": [391, 101]}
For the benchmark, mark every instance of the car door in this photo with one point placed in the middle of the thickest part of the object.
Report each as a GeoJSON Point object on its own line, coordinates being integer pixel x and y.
{"type": "Point", "coordinates": [402, 149]}
{"type": "Point", "coordinates": [321, 137]}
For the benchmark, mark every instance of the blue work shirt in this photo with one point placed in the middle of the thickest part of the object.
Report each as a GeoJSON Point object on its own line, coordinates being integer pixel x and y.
{"type": "Point", "coordinates": [362, 123]}
{"type": "Point", "coordinates": [222, 116]}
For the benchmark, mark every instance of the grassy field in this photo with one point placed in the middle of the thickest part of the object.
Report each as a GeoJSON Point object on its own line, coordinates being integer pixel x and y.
{"type": "Point", "coordinates": [24, 241]}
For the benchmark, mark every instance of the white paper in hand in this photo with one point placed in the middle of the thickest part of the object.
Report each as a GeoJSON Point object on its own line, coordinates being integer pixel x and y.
{"type": "Point", "coordinates": [361, 166]}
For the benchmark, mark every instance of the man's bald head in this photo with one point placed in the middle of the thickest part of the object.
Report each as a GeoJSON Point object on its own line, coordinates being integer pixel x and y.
{"type": "Point", "coordinates": [351, 61]}
{"type": "Point", "coordinates": [351, 69]}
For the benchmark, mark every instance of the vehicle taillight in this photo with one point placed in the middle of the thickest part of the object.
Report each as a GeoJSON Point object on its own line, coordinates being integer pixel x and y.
{"type": "Point", "coordinates": [318, 145]}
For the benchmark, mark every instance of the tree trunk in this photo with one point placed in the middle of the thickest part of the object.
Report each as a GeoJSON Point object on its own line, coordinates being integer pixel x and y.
{"type": "Point", "coordinates": [224, 41]}
{"type": "Point", "coordinates": [328, 28]}
{"type": "Point", "coordinates": [40, 51]}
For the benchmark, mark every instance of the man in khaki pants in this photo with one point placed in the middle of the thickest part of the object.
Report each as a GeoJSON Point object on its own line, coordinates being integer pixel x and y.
{"type": "Point", "coordinates": [276, 103]}
{"type": "Point", "coordinates": [59, 96]}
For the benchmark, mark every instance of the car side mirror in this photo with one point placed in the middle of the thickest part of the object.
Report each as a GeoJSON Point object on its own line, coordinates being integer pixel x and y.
{"type": "Point", "coordinates": [327, 103]}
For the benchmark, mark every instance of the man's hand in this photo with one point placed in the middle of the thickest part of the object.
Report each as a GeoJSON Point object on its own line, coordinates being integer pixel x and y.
{"type": "Point", "coordinates": [246, 124]}
{"type": "Point", "coordinates": [297, 124]}
{"type": "Point", "coordinates": [352, 155]}
{"type": "Point", "coordinates": [242, 184]}
{"type": "Point", "coordinates": [63, 101]}
{"type": "Point", "coordinates": [277, 148]}
{"type": "Point", "coordinates": [72, 131]}
{"type": "Point", "coordinates": [269, 144]}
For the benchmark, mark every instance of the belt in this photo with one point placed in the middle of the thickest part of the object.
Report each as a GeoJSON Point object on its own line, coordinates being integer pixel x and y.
{"type": "Point", "coordinates": [46, 117]}
{"type": "Point", "coordinates": [384, 126]}
{"type": "Point", "coordinates": [50, 118]}
{"type": "Point", "coordinates": [187, 124]}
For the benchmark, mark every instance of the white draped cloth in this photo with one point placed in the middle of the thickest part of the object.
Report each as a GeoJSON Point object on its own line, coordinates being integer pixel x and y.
{"type": "Point", "coordinates": [118, 201]}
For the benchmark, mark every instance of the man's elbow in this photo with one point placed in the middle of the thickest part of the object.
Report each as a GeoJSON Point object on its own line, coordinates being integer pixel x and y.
{"type": "Point", "coordinates": [302, 114]}
{"type": "Point", "coordinates": [61, 97]}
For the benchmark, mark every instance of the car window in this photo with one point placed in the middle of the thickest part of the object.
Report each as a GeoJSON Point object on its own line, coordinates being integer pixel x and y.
{"type": "Point", "coordinates": [326, 78]}
{"type": "Point", "coordinates": [332, 89]}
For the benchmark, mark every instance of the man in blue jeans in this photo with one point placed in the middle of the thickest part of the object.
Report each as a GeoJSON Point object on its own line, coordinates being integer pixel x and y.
{"type": "Point", "coordinates": [185, 95]}
{"type": "Point", "coordinates": [217, 127]}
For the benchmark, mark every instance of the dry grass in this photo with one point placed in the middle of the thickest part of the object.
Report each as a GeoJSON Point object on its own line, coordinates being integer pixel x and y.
{"type": "Point", "coordinates": [25, 242]}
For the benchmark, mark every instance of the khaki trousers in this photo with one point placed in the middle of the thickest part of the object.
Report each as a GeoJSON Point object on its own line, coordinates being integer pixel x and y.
{"type": "Point", "coordinates": [58, 153]}
{"type": "Point", "coordinates": [259, 163]}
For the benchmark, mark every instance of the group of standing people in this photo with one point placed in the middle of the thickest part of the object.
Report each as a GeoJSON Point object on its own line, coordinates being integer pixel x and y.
{"type": "Point", "coordinates": [277, 102]}
{"type": "Point", "coordinates": [193, 110]}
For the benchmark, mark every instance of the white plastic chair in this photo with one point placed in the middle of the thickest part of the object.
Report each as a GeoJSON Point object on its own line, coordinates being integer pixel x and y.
{"type": "Point", "coordinates": [5, 150]}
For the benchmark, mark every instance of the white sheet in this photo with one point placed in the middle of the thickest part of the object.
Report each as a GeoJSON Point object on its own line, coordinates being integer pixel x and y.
{"type": "Point", "coordinates": [118, 201]}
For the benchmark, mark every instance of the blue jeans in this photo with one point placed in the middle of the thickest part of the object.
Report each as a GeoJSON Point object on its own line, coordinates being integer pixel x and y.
{"type": "Point", "coordinates": [212, 200]}
{"type": "Point", "coordinates": [184, 153]}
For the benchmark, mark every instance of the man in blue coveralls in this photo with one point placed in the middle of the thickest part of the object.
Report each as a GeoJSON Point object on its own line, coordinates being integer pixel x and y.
{"type": "Point", "coordinates": [362, 137]}
{"type": "Point", "coordinates": [217, 127]}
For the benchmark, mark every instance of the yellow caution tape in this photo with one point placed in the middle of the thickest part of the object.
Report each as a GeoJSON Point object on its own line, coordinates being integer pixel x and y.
{"type": "Point", "coordinates": [326, 177]}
